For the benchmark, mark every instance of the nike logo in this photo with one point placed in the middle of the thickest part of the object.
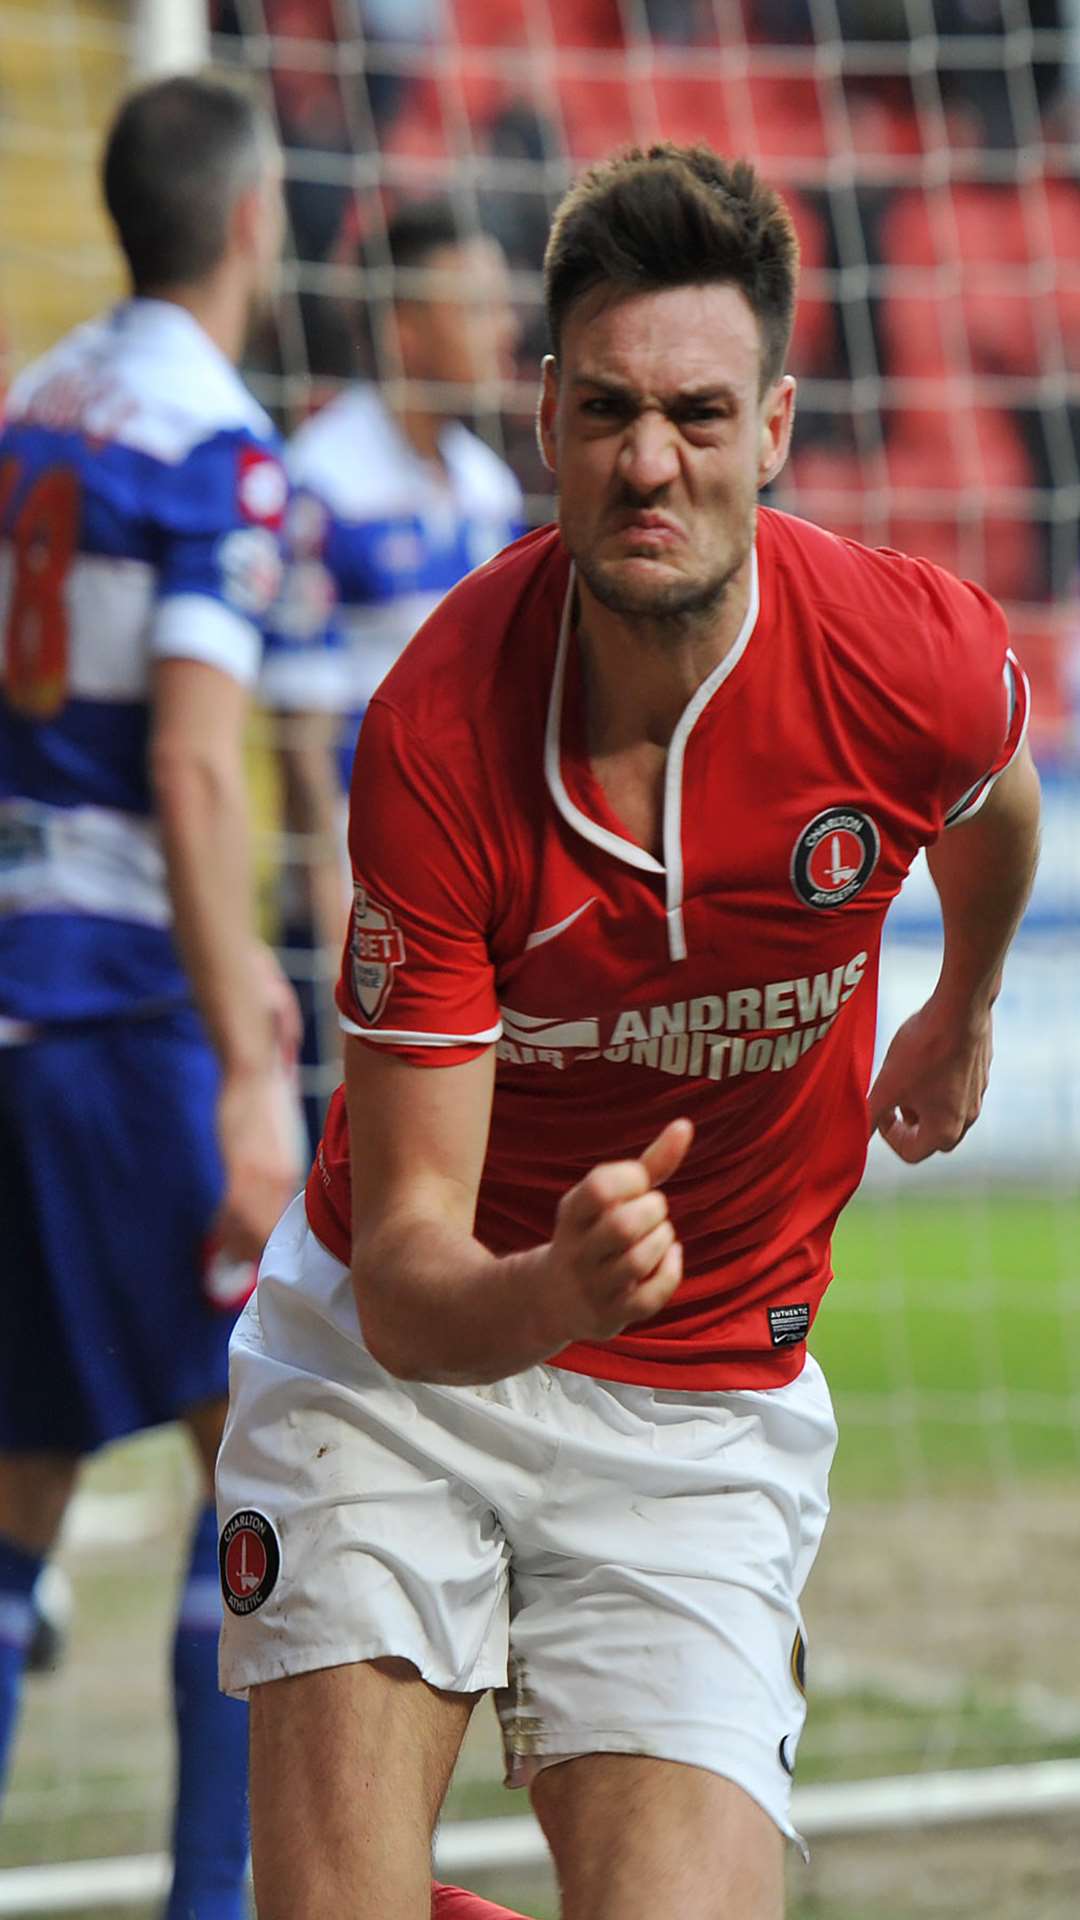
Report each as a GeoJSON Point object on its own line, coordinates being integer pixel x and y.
{"type": "Point", "coordinates": [542, 935]}
{"type": "Point", "coordinates": [541, 1030]}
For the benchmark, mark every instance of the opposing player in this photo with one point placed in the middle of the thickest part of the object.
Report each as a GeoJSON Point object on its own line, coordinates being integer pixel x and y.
{"type": "Point", "coordinates": [626, 822]}
{"type": "Point", "coordinates": [395, 499]}
{"type": "Point", "coordinates": [147, 1123]}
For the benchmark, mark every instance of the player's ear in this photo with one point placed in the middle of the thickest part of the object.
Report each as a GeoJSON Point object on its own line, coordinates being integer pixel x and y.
{"type": "Point", "coordinates": [777, 421]}
{"type": "Point", "coordinates": [245, 219]}
{"type": "Point", "coordinates": [546, 408]}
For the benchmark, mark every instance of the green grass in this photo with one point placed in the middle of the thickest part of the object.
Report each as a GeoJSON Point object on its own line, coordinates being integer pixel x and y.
{"type": "Point", "coordinates": [864, 1733]}
{"type": "Point", "coordinates": [948, 1338]}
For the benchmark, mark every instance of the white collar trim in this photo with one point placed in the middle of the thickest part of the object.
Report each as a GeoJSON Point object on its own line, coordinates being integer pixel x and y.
{"type": "Point", "coordinates": [615, 843]}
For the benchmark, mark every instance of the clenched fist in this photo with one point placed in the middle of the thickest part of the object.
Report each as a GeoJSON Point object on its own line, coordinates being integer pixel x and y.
{"type": "Point", "coordinates": [614, 1257]}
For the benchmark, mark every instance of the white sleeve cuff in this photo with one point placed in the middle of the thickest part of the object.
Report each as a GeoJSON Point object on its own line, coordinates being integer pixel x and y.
{"type": "Point", "coordinates": [194, 626]}
{"type": "Point", "coordinates": [397, 1037]}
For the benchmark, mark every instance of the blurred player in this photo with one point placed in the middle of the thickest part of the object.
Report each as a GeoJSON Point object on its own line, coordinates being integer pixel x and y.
{"type": "Point", "coordinates": [147, 1124]}
{"type": "Point", "coordinates": [395, 500]}
{"type": "Point", "coordinates": [626, 822]}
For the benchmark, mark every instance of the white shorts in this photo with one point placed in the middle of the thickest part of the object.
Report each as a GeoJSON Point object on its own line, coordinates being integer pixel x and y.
{"type": "Point", "coordinates": [621, 1564]}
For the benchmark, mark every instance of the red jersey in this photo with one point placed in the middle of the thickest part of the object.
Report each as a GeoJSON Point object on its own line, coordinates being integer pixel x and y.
{"type": "Point", "coordinates": [868, 702]}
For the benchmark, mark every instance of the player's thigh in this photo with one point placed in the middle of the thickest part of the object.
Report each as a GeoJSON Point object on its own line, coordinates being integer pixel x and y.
{"type": "Point", "coordinates": [622, 1826]}
{"type": "Point", "coordinates": [349, 1767]}
{"type": "Point", "coordinates": [113, 1194]}
{"type": "Point", "coordinates": [655, 1589]}
{"type": "Point", "coordinates": [353, 1525]}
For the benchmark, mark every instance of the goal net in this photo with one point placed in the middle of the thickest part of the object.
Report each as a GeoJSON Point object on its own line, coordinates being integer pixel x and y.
{"type": "Point", "coordinates": [927, 150]}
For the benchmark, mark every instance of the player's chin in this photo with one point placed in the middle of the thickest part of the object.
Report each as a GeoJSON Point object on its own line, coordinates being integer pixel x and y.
{"type": "Point", "coordinates": [641, 584]}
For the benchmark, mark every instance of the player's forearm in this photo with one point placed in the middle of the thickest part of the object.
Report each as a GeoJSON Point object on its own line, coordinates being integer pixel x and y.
{"type": "Point", "coordinates": [203, 809]}
{"type": "Point", "coordinates": [983, 871]}
{"type": "Point", "coordinates": [313, 813]}
{"type": "Point", "coordinates": [435, 1305]}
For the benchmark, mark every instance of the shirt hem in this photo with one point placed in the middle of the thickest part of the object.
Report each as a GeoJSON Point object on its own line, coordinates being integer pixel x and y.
{"type": "Point", "coordinates": [717, 1372]}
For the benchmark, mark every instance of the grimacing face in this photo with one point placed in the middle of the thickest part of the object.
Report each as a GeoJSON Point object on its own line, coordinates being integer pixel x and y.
{"type": "Point", "coordinates": [659, 437]}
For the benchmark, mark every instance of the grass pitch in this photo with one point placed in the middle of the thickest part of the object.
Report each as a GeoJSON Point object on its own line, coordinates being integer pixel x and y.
{"type": "Point", "coordinates": [949, 1340]}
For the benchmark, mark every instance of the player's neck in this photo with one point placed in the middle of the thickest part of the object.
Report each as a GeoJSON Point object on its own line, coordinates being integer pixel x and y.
{"type": "Point", "coordinates": [423, 430]}
{"type": "Point", "coordinates": [641, 674]}
{"type": "Point", "coordinates": [219, 305]}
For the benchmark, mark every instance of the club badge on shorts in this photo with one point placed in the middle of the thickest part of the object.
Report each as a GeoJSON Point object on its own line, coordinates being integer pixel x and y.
{"type": "Point", "coordinates": [249, 1555]}
{"type": "Point", "coordinates": [834, 857]}
{"type": "Point", "coordinates": [376, 947]}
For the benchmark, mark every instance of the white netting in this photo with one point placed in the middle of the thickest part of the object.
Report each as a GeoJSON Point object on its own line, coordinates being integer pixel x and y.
{"type": "Point", "coordinates": [928, 154]}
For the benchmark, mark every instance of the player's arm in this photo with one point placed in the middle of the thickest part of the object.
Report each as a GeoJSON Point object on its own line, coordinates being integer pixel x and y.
{"type": "Point", "coordinates": [934, 1076]}
{"type": "Point", "coordinates": [198, 777]}
{"type": "Point", "coordinates": [304, 683]}
{"type": "Point", "coordinates": [312, 811]}
{"type": "Point", "coordinates": [983, 870]}
{"type": "Point", "coordinates": [433, 1303]}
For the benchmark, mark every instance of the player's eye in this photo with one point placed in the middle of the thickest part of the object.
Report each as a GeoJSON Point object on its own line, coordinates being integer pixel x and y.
{"type": "Point", "coordinates": [700, 416]}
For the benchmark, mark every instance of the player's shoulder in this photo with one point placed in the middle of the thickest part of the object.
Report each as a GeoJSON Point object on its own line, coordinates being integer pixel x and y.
{"type": "Point", "coordinates": [483, 480]}
{"type": "Point", "coordinates": [900, 606]}
{"type": "Point", "coordinates": [144, 378]}
{"type": "Point", "coordinates": [484, 658]}
{"type": "Point", "coordinates": [352, 455]}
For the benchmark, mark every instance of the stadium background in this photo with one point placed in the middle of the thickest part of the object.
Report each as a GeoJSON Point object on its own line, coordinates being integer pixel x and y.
{"type": "Point", "coordinates": [928, 151]}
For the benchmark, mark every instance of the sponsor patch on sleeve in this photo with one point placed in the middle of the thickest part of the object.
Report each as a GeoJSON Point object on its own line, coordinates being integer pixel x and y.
{"type": "Point", "coordinates": [789, 1325]}
{"type": "Point", "coordinates": [262, 490]}
{"type": "Point", "coordinates": [250, 569]}
{"type": "Point", "coordinates": [376, 949]}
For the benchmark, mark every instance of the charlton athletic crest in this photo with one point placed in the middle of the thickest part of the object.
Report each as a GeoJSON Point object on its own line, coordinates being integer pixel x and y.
{"type": "Point", "coordinates": [834, 857]}
{"type": "Point", "coordinates": [377, 948]}
{"type": "Point", "coordinates": [250, 1560]}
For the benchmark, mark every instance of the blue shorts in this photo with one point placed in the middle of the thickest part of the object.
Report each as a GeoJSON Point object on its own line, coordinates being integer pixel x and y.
{"type": "Point", "coordinates": [110, 1177]}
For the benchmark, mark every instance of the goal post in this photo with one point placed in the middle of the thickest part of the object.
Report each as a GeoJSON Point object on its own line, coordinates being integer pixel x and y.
{"type": "Point", "coordinates": [169, 36]}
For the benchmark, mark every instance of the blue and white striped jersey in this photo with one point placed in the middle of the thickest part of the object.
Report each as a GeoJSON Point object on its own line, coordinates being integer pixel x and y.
{"type": "Point", "coordinates": [392, 532]}
{"type": "Point", "coordinates": [142, 498]}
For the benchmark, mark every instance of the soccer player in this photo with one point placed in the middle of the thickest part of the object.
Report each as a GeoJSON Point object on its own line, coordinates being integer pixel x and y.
{"type": "Point", "coordinates": [147, 1121]}
{"type": "Point", "coordinates": [395, 499]}
{"type": "Point", "coordinates": [523, 1400]}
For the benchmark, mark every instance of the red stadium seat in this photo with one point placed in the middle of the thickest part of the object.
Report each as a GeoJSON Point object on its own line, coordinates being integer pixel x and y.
{"type": "Point", "coordinates": [418, 131]}
{"type": "Point", "coordinates": [602, 112]}
{"type": "Point", "coordinates": [1003, 258]}
{"type": "Point", "coordinates": [838, 490]}
{"type": "Point", "coordinates": [940, 490]}
{"type": "Point", "coordinates": [813, 341]}
{"type": "Point", "coordinates": [787, 116]}
{"type": "Point", "coordinates": [883, 129]}
{"type": "Point", "coordinates": [1047, 640]}
{"type": "Point", "coordinates": [585, 23]}
{"type": "Point", "coordinates": [775, 118]}
{"type": "Point", "coordinates": [691, 105]}
{"type": "Point", "coordinates": [953, 471]}
{"type": "Point", "coordinates": [1063, 207]}
{"type": "Point", "coordinates": [489, 23]}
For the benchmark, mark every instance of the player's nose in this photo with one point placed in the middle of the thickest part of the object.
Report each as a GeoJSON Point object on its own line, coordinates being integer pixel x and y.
{"type": "Point", "coordinates": [649, 455]}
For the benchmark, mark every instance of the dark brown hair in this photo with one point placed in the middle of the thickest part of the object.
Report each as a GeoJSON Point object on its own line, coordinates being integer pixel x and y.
{"type": "Point", "coordinates": [673, 217]}
{"type": "Point", "coordinates": [178, 152]}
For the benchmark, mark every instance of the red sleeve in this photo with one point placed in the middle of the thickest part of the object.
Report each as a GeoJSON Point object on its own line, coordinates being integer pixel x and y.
{"type": "Point", "coordinates": [984, 698]}
{"type": "Point", "coordinates": [416, 972]}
